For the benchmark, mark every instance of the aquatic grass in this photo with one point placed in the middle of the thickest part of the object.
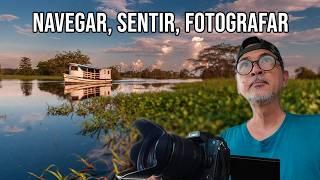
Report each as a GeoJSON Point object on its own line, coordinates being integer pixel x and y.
{"type": "Point", "coordinates": [53, 171]}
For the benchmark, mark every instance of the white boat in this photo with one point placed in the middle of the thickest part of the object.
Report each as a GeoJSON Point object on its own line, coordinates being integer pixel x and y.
{"type": "Point", "coordinates": [79, 73]}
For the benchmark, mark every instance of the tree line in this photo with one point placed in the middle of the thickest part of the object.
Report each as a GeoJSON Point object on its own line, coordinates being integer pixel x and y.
{"type": "Point", "coordinates": [212, 62]}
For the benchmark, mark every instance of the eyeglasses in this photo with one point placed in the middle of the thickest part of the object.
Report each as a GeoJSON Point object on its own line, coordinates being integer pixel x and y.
{"type": "Point", "coordinates": [265, 62]}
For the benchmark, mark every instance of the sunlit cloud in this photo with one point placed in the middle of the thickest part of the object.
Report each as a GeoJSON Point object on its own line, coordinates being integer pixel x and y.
{"type": "Point", "coordinates": [295, 18]}
{"type": "Point", "coordinates": [13, 129]}
{"type": "Point", "coordinates": [8, 17]}
{"type": "Point", "coordinates": [137, 65]}
{"type": "Point", "coordinates": [166, 49]}
{"type": "Point", "coordinates": [113, 7]}
{"type": "Point", "coordinates": [158, 64]}
{"type": "Point", "coordinates": [267, 5]}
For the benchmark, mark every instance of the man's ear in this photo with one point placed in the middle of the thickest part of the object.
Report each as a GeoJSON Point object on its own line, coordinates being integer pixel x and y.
{"type": "Point", "coordinates": [285, 78]}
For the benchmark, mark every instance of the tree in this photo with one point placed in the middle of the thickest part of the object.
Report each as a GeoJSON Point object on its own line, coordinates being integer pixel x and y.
{"type": "Point", "coordinates": [25, 67]}
{"type": "Point", "coordinates": [60, 63]}
{"type": "Point", "coordinates": [115, 72]}
{"type": "Point", "coordinates": [305, 73]}
{"type": "Point", "coordinates": [184, 73]}
{"type": "Point", "coordinates": [215, 61]}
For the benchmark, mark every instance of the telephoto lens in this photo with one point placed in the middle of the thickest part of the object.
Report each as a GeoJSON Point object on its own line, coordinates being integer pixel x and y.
{"type": "Point", "coordinates": [200, 156]}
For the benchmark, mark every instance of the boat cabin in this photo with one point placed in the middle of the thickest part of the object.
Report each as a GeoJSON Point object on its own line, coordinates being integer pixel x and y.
{"type": "Point", "coordinates": [89, 72]}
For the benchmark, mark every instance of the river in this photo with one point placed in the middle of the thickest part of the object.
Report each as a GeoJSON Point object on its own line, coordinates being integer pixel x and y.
{"type": "Point", "coordinates": [30, 140]}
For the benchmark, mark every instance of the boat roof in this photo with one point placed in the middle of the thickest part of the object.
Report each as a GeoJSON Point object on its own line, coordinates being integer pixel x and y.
{"type": "Point", "coordinates": [86, 66]}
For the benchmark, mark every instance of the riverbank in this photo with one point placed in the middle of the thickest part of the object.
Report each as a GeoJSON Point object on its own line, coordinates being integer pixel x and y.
{"type": "Point", "coordinates": [32, 77]}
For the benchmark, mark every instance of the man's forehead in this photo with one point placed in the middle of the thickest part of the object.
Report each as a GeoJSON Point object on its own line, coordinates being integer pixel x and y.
{"type": "Point", "coordinates": [256, 53]}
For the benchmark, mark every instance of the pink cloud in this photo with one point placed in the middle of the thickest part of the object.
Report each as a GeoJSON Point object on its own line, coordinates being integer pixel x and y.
{"type": "Point", "coordinates": [24, 30]}
{"type": "Point", "coordinates": [268, 5]}
{"type": "Point", "coordinates": [295, 18]}
{"type": "Point", "coordinates": [8, 17]}
{"type": "Point", "coordinates": [113, 7]}
{"type": "Point", "coordinates": [13, 129]}
{"type": "Point", "coordinates": [158, 64]}
{"type": "Point", "coordinates": [122, 50]}
{"type": "Point", "coordinates": [308, 36]}
{"type": "Point", "coordinates": [137, 65]}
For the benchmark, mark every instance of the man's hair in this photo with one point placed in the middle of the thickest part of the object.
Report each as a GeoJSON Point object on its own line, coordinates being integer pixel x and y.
{"type": "Point", "coordinates": [254, 43]}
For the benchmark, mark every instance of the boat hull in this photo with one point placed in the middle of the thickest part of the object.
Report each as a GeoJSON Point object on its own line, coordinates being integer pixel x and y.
{"type": "Point", "coordinates": [72, 79]}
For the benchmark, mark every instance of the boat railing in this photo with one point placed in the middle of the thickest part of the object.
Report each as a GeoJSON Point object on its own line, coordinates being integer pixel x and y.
{"type": "Point", "coordinates": [91, 75]}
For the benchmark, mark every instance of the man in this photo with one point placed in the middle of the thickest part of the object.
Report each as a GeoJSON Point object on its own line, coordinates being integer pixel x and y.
{"type": "Point", "coordinates": [271, 132]}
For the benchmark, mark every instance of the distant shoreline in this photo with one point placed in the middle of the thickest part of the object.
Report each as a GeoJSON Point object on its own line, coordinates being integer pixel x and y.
{"type": "Point", "coordinates": [32, 77]}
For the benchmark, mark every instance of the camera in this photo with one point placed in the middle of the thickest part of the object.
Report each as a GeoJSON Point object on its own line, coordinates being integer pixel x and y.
{"type": "Point", "coordinates": [199, 156]}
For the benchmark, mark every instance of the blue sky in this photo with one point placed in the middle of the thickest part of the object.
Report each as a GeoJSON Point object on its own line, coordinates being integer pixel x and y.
{"type": "Point", "coordinates": [299, 47]}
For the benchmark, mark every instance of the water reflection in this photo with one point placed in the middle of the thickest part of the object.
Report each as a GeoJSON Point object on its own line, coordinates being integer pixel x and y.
{"type": "Point", "coordinates": [3, 117]}
{"type": "Point", "coordinates": [78, 92]}
{"type": "Point", "coordinates": [56, 88]}
{"type": "Point", "coordinates": [85, 91]}
{"type": "Point", "coordinates": [31, 140]}
{"type": "Point", "coordinates": [26, 87]}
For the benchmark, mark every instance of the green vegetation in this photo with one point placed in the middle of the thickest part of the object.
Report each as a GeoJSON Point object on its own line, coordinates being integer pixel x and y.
{"type": "Point", "coordinates": [53, 171]}
{"type": "Point", "coordinates": [211, 106]}
{"type": "Point", "coordinates": [25, 67]}
{"type": "Point", "coordinates": [60, 62]}
{"type": "Point", "coordinates": [215, 61]}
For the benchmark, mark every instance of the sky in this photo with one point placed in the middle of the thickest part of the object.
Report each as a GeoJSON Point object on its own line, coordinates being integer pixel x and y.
{"type": "Point", "coordinates": [299, 47]}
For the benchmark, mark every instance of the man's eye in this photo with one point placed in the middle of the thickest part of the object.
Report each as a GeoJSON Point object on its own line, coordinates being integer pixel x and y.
{"type": "Point", "coordinates": [244, 64]}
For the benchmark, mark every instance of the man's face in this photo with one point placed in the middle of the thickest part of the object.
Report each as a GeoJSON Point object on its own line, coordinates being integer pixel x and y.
{"type": "Point", "coordinates": [260, 86]}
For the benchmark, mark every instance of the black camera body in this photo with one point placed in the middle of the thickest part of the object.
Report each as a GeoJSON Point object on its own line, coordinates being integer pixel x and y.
{"type": "Point", "coordinates": [215, 148]}
{"type": "Point", "coordinates": [200, 156]}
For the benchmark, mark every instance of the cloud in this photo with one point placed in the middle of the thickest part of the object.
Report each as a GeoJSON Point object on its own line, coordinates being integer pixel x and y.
{"type": "Point", "coordinates": [267, 5]}
{"type": "Point", "coordinates": [25, 30]}
{"type": "Point", "coordinates": [121, 50]}
{"type": "Point", "coordinates": [13, 129]}
{"type": "Point", "coordinates": [123, 66]}
{"type": "Point", "coordinates": [158, 64]}
{"type": "Point", "coordinates": [197, 39]}
{"type": "Point", "coordinates": [295, 18]}
{"type": "Point", "coordinates": [137, 65]}
{"type": "Point", "coordinates": [166, 49]}
{"type": "Point", "coordinates": [149, 46]}
{"type": "Point", "coordinates": [54, 38]}
{"type": "Point", "coordinates": [113, 7]}
{"type": "Point", "coordinates": [144, 1]}
{"type": "Point", "coordinates": [309, 36]}
{"type": "Point", "coordinates": [32, 118]}
{"type": "Point", "coordinates": [8, 17]}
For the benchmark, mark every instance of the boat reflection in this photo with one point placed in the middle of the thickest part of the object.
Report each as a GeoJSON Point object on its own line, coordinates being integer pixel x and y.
{"type": "Point", "coordinates": [84, 91]}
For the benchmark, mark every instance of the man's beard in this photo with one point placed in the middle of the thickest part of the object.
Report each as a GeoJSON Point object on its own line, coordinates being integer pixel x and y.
{"type": "Point", "coordinates": [261, 99]}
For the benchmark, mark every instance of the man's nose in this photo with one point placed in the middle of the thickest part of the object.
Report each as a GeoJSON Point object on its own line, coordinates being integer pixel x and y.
{"type": "Point", "coordinates": [256, 70]}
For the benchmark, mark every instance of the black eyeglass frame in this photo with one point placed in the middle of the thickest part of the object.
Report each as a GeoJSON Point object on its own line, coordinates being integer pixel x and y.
{"type": "Point", "coordinates": [257, 61]}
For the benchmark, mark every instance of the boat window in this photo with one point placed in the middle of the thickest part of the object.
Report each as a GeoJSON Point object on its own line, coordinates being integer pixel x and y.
{"type": "Point", "coordinates": [74, 68]}
{"type": "Point", "coordinates": [108, 72]}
